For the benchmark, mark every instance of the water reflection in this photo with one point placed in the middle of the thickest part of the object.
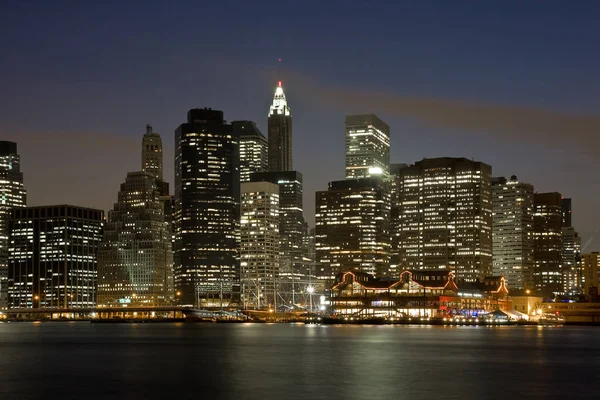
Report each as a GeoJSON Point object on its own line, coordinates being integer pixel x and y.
{"type": "Point", "coordinates": [260, 361]}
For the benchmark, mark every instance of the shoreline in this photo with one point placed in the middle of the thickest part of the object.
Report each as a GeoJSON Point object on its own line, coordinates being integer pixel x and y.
{"type": "Point", "coordinates": [324, 323]}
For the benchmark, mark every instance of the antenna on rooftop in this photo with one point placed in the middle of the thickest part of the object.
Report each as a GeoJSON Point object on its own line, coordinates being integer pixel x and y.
{"type": "Point", "coordinates": [279, 78]}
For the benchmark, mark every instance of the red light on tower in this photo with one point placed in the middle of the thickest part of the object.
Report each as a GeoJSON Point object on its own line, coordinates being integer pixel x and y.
{"type": "Point", "coordinates": [279, 83]}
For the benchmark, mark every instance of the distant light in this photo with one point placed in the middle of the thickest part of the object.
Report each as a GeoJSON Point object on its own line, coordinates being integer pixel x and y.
{"type": "Point", "coordinates": [375, 171]}
{"type": "Point", "coordinates": [279, 83]}
{"type": "Point", "coordinates": [310, 289]}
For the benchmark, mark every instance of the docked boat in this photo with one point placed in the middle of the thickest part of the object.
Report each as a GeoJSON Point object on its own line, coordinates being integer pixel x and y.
{"type": "Point", "coordinates": [554, 318]}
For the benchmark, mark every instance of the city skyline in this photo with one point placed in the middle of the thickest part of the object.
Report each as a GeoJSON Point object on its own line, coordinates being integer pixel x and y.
{"type": "Point", "coordinates": [101, 125]}
{"type": "Point", "coordinates": [225, 197]}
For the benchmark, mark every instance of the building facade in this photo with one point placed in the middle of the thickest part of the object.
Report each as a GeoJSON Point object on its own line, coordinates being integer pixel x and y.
{"type": "Point", "coordinates": [53, 256]}
{"type": "Point", "coordinates": [416, 293]}
{"type": "Point", "coordinates": [292, 226]}
{"type": "Point", "coordinates": [395, 220]}
{"type": "Point", "coordinates": [352, 231]}
{"type": "Point", "coordinates": [135, 259]}
{"type": "Point", "coordinates": [152, 153]}
{"type": "Point", "coordinates": [512, 232]}
{"type": "Point", "coordinates": [367, 146]}
{"type": "Point", "coordinates": [280, 133]}
{"type": "Point", "coordinates": [572, 274]}
{"type": "Point", "coordinates": [567, 206]}
{"type": "Point", "coordinates": [445, 212]}
{"type": "Point", "coordinates": [253, 149]}
{"type": "Point", "coordinates": [207, 210]}
{"type": "Point", "coordinates": [12, 194]}
{"type": "Point", "coordinates": [259, 245]}
{"type": "Point", "coordinates": [590, 263]}
{"type": "Point", "coordinates": [548, 244]}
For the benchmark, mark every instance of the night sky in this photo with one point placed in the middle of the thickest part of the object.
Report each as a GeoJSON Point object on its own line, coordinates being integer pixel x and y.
{"type": "Point", "coordinates": [512, 84]}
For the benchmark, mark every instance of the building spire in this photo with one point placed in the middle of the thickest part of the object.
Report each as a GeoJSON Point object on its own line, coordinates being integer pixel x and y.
{"type": "Point", "coordinates": [279, 106]}
{"type": "Point", "coordinates": [152, 160]}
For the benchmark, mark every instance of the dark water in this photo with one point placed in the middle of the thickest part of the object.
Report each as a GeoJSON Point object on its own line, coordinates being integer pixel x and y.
{"type": "Point", "coordinates": [222, 361]}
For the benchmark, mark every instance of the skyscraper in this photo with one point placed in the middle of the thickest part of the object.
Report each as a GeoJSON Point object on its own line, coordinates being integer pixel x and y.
{"type": "Point", "coordinates": [52, 256]}
{"type": "Point", "coordinates": [280, 133]}
{"type": "Point", "coordinates": [310, 255]}
{"type": "Point", "coordinates": [207, 209]}
{"type": "Point", "coordinates": [513, 231]}
{"type": "Point", "coordinates": [259, 244]}
{"type": "Point", "coordinates": [445, 208]}
{"type": "Point", "coordinates": [395, 220]}
{"type": "Point", "coordinates": [590, 263]}
{"type": "Point", "coordinates": [367, 146]}
{"type": "Point", "coordinates": [353, 228]}
{"type": "Point", "coordinates": [253, 149]}
{"type": "Point", "coordinates": [12, 194]}
{"type": "Point", "coordinates": [548, 245]}
{"type": "Point", "coordinates": [572, 275]}
{"type": "Point", "coordinates": [152, 157]}
{"type": "Point", "coordinates": [135, 258]}
{"type": "Point", "coordinates": [566, 212]}
{"type": "Point", "coordinates": [292, 226]}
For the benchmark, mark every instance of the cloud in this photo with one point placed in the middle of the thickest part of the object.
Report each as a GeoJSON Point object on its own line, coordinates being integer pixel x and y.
{"type": "Point", "coordinates": [521, 124]}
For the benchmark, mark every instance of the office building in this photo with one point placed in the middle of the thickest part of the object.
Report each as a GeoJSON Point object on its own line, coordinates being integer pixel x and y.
{"type": "Point", "coordinates": [352, 231]}
{"type": "Point", "coordinates": [548, 244]}
{"type": "Point", "coordinates": [367, 146]}
{"type": "Point", "coordinates": [259, 244]}
{"type": "Point", "coordinates": [395, 220]}
{"type": "Point", "coordinates": [292, 226]}
{"type": "Point", "coordinates": [590, 263]}
{"type": "Point", "coordinates": [253, 149]}
{"type": "Point", "coordinates": [572, 275]}
{"type": "Point", "coordinates": [280, 133]}
{"type": "Point", "coordinates": [12, 194]}
{"type": "Point", "coordinates": [135, 259]}
{"type": "Point", "coordinates": [152, 153]}
{"type": "Point", "coordinates": [53, 256]}
{"type": "Point", "coordinates": [512, 233]}
{"type": "Point", "coordinates": [566, 212]}
{"type": "Point", "coordinates": [445, 209]}
{"type": "Point", "coordinates": [310, 251]}
{"type": "Point", "coordinates": [207, 210]}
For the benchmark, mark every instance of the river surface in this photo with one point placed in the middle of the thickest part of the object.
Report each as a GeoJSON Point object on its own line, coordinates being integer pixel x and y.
{"type": "Point", "coordinates": [78, 360]}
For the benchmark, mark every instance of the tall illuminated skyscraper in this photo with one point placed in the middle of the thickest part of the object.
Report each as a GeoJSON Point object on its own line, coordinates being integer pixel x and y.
{"type": "Point", "coordinates": [513, 232]}
{"type": "Point", "coordinates": [259, 244]}
{"type": "Point", "coordinates": [292, 226]}
{"type": "Point", "coordinates": [445, 208]}
{"type": "Point", "coordinates": [548, 243]}
{"type": "Point", "coordinates": [367, 146]}
{"type": "Point", "coordinates": [572, 274]}
{"type": "Point", "coordinates": [280, 133]}
{"type": "Point", "coordinates": [12, 194]}
{"type": "Point", "coordinates": [352, 231]}
{"type": "Point", "coordinates": [152, 153]}
{"type": "Point", "coordinates": [207, 210]}
{"type": "Point", "coordinates": [253, 149]}
{"type": "Point", "coordinates": [135, 258]}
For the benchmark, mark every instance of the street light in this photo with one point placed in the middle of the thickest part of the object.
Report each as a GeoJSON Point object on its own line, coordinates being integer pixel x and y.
{"type": "Point", "coordinates": [310, 291]}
